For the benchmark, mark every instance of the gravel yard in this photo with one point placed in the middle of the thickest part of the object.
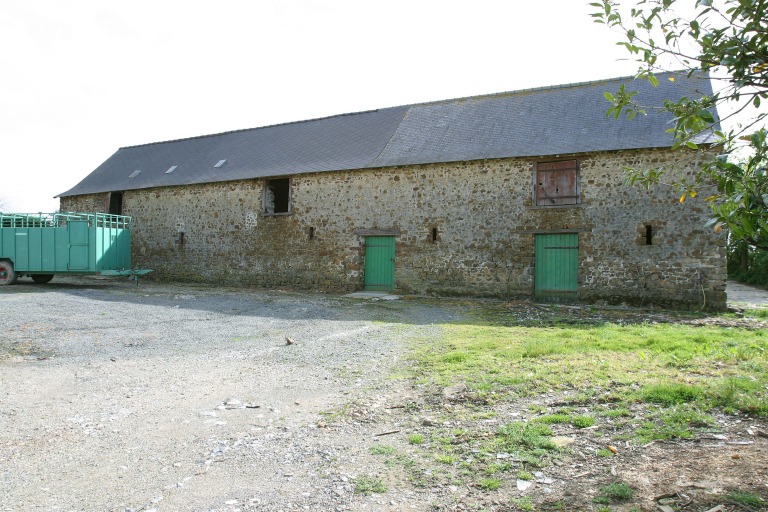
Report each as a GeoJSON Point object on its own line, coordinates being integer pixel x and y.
{"type": "Point", "coordinates": [170, 397]}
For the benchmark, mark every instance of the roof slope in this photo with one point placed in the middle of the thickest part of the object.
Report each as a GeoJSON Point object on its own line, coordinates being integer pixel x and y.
{"type": "Point", "coordinates": [538, 122]}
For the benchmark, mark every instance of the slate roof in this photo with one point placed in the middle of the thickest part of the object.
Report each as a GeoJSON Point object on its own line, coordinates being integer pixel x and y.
{"type": "Point", "coordinates": [547, 121]}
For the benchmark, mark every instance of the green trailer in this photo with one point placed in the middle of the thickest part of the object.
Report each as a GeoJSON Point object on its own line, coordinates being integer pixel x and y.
{"type": "Point", "coordinates": [42, 245]}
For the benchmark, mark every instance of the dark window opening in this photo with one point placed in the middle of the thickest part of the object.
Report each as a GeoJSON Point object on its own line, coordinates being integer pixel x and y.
{"type": "Point", "coordinates": [277, 196]}
{"type": "Point", "coordinates": [648, 234]}
{"type": "Point", "coordinates": [115, 203]}
{"type": "Point", "coordinates": [557, 183]}
{"type": "Point", "coordinates": [312, 233]}
{"type": "Point", "coordinates": [434, 235]}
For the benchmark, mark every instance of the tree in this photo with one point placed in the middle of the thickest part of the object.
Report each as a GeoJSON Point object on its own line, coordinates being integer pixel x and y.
{"type": "Point", "coordinates": [728, 41]}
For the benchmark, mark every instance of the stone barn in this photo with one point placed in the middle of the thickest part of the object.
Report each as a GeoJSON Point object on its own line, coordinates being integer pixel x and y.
{"type": "Point", "coordinates": [513, 195]}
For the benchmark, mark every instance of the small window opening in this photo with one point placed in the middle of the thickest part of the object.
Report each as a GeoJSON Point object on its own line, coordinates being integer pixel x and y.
{"type": "Point", "coordinates": [277, 196]}
{"type": "Point", "coordinates": [434, 235]}
{"type": "Point", "coordinates": [312, 233]}
{"type": "Point", "coordinates": [115, 203]}
{"type": "Point", "coordinates": [648, 234]}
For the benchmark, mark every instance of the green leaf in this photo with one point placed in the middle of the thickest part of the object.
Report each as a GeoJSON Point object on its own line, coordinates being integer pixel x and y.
{"type": "Point", "coordinates": [609, 97]}
{"type": "Point", "coordinates": [691, 145]}
{"type": "Point", "coordinates": [706, 116]}
{"type": "Point", "coordinates": [652, 78]}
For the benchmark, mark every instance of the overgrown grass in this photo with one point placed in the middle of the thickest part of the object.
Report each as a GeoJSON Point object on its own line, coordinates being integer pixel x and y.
{"type": "Point", "coordinates": [645, 381]}
{"type": "Point", "coordinates": [672, 363]}
{"type": "Point", "coordinates": [680, 422]}
{"type": "Point", "coordinates": [744, 498]}
{"type": "Point", "coordinates": [761, 314]}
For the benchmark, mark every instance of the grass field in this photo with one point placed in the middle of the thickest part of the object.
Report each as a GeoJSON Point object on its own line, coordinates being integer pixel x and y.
{"type": "Point", "coordinates": [667, 364]}
{"type": "Point", "coordinates": [641, 379]}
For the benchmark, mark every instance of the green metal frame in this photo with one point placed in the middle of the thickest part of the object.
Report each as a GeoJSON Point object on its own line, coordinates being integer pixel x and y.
{"type": "Point", "coordinates": [65, 243]}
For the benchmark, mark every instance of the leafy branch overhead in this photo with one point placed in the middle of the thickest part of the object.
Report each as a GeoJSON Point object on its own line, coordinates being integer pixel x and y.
{"type": "Point", "coordinates": [727, 42]}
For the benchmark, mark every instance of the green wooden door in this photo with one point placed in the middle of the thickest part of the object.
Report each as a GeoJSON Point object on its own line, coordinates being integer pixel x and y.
{"type": "Point", "coordinates": [380, 263]}
{"type": "Point", "coordinates": [557, 266]}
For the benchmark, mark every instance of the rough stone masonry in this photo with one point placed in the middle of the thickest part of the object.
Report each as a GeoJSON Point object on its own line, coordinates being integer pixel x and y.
{"type": "Point", "coordinates": [462, 228]}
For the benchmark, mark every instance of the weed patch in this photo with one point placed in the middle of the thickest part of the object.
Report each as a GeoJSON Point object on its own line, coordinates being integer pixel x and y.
{"type": "Point", "coordinates": [380, 449]}
{"type": "Point", "coordinates": [552, 419]}
{"type": "Point", "coordinates": [489, 484]}
{"type": "Point", "coordinates": [671, 393]}
{"type": "Point", "coordinates": [616, 492]}
{"type": "Point", "coordinates": [740, 394]}
{"type": "Point", "coordinates": [523, 503]}
{"type": "Point", "coordinates": [762, 314]}
{"type": "Point", "coordinates": [744, 498]}
{"type": "Point", "coordinates": [679, 422]}
{"type": "Point", "coordinates": [583, 421]}
{"type": "Point", "coordinates": [366, 484]}
{"type": "Point", "coordinates": [416, 439]}
{"type": "Point", "coordinates": [530, 436]}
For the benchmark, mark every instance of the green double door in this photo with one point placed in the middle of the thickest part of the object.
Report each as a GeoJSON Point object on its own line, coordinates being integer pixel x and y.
{"type": "Point", "coordinates": [380, 263]}
{"type": "Point", "coordinates": [557, 267]}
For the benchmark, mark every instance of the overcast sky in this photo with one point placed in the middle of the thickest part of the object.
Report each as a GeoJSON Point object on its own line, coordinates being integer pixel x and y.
{"type": "Point", "coordinates": [82, 78]}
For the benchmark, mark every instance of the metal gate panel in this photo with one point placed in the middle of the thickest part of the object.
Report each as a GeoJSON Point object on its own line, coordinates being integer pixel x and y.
{"type": "Point", "coordinates": [557, 267]}
{"type": "Point", "coordinates": [78, 244]}
{"type": "Point", "coordinates": [380, 263]}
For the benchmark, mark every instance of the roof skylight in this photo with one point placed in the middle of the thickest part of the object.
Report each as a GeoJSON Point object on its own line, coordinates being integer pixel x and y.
{"type": "Point", "coordinates": [135, 173]}
{"type": "Point", "coordinates": [220, 163]}
{"type": "Point", "coordinates": [171, 169]}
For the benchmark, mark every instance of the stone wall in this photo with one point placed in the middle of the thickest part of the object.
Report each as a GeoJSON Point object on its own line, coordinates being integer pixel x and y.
{"type": "Point", "coordinates": [482, 212]}
{"type": "Point", "coordinates": [90, 203]}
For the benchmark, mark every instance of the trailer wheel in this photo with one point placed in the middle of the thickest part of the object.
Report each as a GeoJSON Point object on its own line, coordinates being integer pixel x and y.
{"type": "Point", "coordinates": [7, 274]}
{"type": "Point", "coordinates": [41, 278]}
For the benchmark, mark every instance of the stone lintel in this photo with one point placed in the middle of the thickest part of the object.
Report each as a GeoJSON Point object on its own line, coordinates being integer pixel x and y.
{"type": "Point", "coordinates": [378, 232]}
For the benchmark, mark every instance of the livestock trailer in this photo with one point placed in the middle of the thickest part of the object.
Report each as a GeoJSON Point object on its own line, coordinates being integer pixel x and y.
{"type": "Point", "coordinates": [42, 245]}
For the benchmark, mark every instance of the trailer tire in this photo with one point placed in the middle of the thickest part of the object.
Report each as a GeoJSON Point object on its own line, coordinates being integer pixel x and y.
{"type": "Point", "coordinates": [7, 274]}
{"type": "Point", "coordinates": [41, 278]}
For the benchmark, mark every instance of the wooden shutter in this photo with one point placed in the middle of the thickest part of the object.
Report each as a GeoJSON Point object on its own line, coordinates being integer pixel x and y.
{"type": "Point", "coordinates": [557, 183]}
